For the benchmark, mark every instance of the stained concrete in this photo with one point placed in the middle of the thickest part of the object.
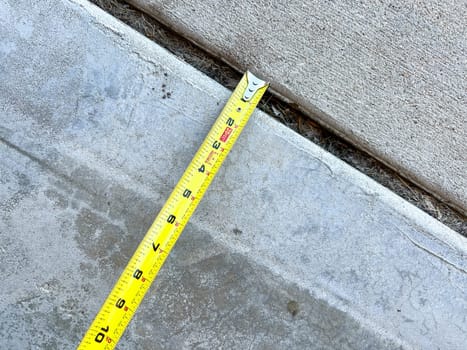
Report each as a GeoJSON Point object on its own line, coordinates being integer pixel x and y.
{"type": "Point", "coordinates": [290, 248]}
{"type": "Point", "coordinates": [389, 76]}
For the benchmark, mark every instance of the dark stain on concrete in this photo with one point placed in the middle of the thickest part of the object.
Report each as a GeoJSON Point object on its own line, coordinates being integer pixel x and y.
{"type": "Point", "coordinates": [233, 303]}
{"type": "Point", "coordinates": [103, 241]}
{"type": "Point", "coordinates": [203, 288]}
{"type": "Point", "coordinates": [166, 94]}
{"type": "Point", "coordinates": [292, 307]}
{"type": "Point", "coordinates": [204, 297]}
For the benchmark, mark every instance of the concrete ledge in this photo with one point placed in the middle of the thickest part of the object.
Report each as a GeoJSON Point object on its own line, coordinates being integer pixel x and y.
{"type": "Point", "coordinates": [388, 76]}
{"type": "Point", "coordinates": [90, 148]}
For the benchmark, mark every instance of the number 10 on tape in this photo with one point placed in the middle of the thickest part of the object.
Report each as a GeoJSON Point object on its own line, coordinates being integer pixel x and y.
{"type": "Point", "coordinates": [122, 302]}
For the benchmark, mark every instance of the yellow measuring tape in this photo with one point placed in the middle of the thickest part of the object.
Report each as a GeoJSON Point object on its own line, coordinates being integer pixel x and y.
{"type": "Point", "coordinates": [142, 269]}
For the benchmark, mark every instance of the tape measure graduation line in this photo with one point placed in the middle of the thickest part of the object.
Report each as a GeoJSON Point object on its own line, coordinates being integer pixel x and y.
{"type": "Point", "coordinates": [122, 302]}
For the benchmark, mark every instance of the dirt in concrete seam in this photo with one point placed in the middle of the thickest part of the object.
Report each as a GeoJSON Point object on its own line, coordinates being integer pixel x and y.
{"type": "Point", "coordinates": [286, 113]}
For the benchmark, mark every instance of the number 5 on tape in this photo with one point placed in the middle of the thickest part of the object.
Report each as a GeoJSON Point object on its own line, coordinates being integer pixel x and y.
{"type": "Point", "coordinates": [122, 302]}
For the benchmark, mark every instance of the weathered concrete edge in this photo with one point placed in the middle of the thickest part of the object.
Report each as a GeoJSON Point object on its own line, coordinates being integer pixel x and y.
{"type": "Point", "coordinates": [430, 226]}
{"type": "Point", "coordinates": [131, 39]}
{"type": "Point", "coordinates": [304, 106]}
{"type": "Point", "coordinates": [192, 76]}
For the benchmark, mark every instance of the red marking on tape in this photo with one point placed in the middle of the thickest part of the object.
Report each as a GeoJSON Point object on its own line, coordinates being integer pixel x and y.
{"type": "Point", "coordinates": [125, 308]}
{"type": "Point", "coordinates": [193, 198]}
{"type": "Point", "coordinates": [226, 134]}
{"type": "Point", "coordinates": [143, 279]}
{"type": "Point", "coordinates": [177, 224]}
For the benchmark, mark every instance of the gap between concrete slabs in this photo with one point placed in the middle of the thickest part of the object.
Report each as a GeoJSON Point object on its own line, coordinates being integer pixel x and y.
{"type": "Point", "coordinates": [387, 77]}
{"type": "Point", "coordinates": [106, 143]}
{"type": "Point", "coordinates": [286, 113]}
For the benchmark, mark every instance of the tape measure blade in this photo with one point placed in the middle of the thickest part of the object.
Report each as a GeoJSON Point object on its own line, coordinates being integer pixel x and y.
{"type": "Point", "coordinates": [143, 267]}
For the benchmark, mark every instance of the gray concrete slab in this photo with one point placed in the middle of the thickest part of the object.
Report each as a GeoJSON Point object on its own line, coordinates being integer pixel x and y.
{"type": "Point", "coordinates": [90, 150]}
{"type": "Point", "coordinates": [388, 76]}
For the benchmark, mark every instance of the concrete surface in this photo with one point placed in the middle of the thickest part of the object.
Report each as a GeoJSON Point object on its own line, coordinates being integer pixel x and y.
{"type": "Point", "coordinates": [291, 248]}
{"type": "Point", "coordinates": [390, 76]}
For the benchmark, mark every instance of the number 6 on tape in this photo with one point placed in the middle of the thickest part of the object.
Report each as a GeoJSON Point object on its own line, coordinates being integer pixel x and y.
{"type": "Point", "coordinates": [122, 302]}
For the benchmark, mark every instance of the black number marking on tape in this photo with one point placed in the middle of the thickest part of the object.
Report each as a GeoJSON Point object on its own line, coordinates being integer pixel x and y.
{"type": "Point", "coordinates": [171, 219]}
{"type": "Point", "coordinates": [201, 169]}
{"type": "Point", "coordinates": [216, 145]}
{"type": "Point", "coordinates": [154, 246]}
{"type": "Point", "coordinates": [230, 122]}
{"type": "Point", "coordinates": [100, 336]}
{"type": "Point", "coordinates": [120, 303]}
{"type": "Point", "coordinates": [187, 193]}
{"type": "Point", "coordinates": [137, 274]}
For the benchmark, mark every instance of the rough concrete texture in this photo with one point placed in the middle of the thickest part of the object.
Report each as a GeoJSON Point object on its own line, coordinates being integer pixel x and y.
{"type": "Point", "coordinates": [389, 76]}
{"type": "Point", "coordinates": [290, 248]}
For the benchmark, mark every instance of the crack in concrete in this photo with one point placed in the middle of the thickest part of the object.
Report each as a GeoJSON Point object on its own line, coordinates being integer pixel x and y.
{"type": "Point", "coordinates": [427, 250]}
